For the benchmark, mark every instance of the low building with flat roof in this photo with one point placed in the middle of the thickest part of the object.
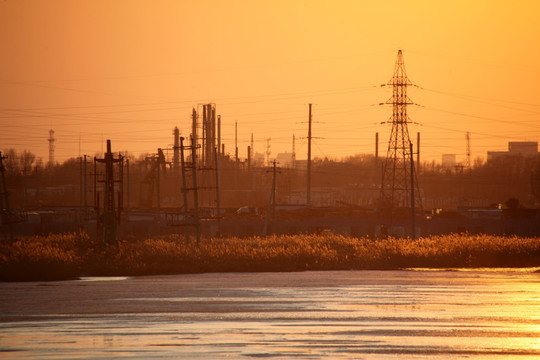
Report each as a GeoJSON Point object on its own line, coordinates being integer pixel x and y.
{"type": "Point", "coordinates": [515, 148]}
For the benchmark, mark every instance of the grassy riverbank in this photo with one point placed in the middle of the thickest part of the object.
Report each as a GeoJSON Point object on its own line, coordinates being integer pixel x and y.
{"type": "Point", "coordinates": [72, 255]}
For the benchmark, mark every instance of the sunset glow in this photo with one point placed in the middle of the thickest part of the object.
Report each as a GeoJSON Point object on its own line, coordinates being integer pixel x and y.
{"type": "Point", "coordinates": [131, 71]}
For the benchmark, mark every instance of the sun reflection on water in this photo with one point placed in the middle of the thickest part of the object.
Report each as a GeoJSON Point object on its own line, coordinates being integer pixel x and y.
{"type": "Point", "coordinates": [378, 315]}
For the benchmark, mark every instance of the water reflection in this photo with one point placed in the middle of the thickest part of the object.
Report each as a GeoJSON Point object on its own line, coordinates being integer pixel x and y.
{"type": "Point", "coordinates": [339, 315]}
{"type": "Point", "coordinates": [103, 278]}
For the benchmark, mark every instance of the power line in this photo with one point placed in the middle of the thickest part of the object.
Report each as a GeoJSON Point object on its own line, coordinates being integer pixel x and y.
{"type": "Point", "coordinates": [478, 117]}
{"type": "Point", "coordinates": [482, 100]}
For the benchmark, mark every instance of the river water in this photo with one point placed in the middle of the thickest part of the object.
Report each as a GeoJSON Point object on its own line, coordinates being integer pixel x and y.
{"type": "Point", "coordinates": [408, 314]}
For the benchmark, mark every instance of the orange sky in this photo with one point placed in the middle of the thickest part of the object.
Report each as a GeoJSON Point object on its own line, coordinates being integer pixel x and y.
{"type": "Point", "coordinates": [130, 71]}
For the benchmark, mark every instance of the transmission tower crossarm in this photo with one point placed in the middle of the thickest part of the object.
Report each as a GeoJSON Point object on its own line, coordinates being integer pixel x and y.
{"type": "Point", "coordinates": [399, 187]}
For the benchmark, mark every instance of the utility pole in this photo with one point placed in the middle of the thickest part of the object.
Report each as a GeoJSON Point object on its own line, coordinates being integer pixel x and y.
{"type": "Point", "coordinates": [274, 191]}
{"type": "Point", "coordinates": [219, 135]}
{"type": "Point", "coordinates": [120, 187]}
{"type": "Point", "coordinates": [376, 162]}
{"type": "Point", "coordinates": [110, 218]}
{"type": "Point", "coordinates": [195, 189]}
{"type": "Point", "coordinates": [376, 147]}
{"type": "Point", "coordinates": [252, 173]}
{"type": "Point", "coordinates": [236, 143]}
{"type": "Point", "coordinates": [158, 190]}
{"type": "Point", "coordinates": [272, 201]}
{"type": "Point", "coordinates": [293, 156]}
{"type": "Point", "coordinates": [468, 139]}
{"type": "Point", "coordinates": [109, 213]}
{"type": "Point", "coordinates": [218, 212]}
{"type": "Point", "coordinates": [194, 127]}
{"type": "Point", "coordinates": [308, 196]}
{"type": "Point", "coordinates": [128, 190]}
{"type": "Point", "coordinates": [184, 183]}
{"type": "Point", "coordinates": [413, 214]}
{"type": "Point", "coordinates": [236, 154]}
{"type": "Point", "coordinates": [96, 199]}
{"type": "Point", "coordinates": [417, 152]}
{"type": "Point", "coordinates": [159, 162]}
{"type": "Point", "coordinates": [81, 186]}
{"type": "Point", "coordinates": [85, 185]}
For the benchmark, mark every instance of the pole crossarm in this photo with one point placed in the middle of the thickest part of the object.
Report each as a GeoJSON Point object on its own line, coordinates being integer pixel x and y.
{"type": "Point", "coordinates": [398, 178]}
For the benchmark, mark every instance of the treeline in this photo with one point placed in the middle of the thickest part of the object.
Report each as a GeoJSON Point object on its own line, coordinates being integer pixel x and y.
{"type": "Point", "coordinates": [33, 184]}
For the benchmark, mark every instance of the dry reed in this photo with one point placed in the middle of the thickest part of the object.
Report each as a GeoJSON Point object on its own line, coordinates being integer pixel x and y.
{"type": "Point", "coordinates": [71, 255]}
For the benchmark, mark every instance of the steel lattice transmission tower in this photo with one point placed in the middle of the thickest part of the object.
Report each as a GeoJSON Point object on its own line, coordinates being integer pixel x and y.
{"type": "Point", "coordinates": [399, 183]}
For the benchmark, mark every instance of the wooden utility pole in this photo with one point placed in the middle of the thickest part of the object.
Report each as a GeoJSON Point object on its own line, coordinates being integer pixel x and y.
{"type": "Point", "coordinates": [218, 212]}
{"type": "Point", "coordinates": [274, 191]}
{"type": "Point", "coordinates": [85, 185]}
{"type": "Point", "coordinates": [236, 143]}
{"type": "Point", "coordinates": [252, 152]}
{"type": "Point", "coordinates": [184, 182]}
{"type": "Point", "coordinates": [128, 190]}
{"type": "Point", "coordinates": [376, 147]}
{"type": "Point", "coordinates": [159, 159]}
{"type": "Point", "coordinates": [194, 127]}
{"type": "Point", "coordinates": [81, 186]}
{"type": "Point", "coordinates": [219, 135]}
{"type": "Point", "coordinates": [195, 189]}
{"type": "Point", "coordinates": [413, 215]}
{"type": "Point", "coordinates": [271, 201]}
{"type": "Point", "coordinates": [109, 211]}
{"type": "Point", "coordinates": [308, 196]}
{"type": "Point", "coordinates": [236, 154]}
